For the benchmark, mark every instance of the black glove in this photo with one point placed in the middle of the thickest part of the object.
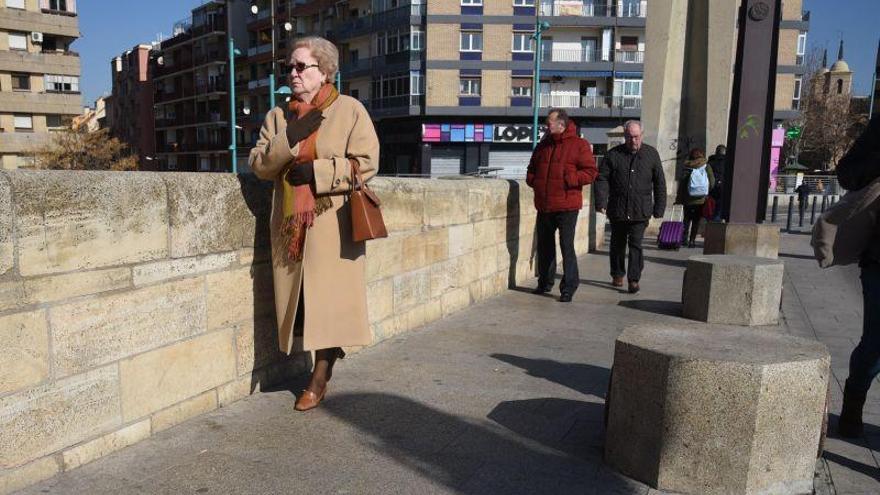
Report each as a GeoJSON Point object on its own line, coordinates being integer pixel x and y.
{"type": "Point", "coordinates": [299, 129]}
{"type": "Point", "coordinates": [304, 173]}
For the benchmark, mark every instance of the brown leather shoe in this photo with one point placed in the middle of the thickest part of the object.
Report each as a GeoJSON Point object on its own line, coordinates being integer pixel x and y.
{"type": "Point", "coordinates": [634, 287]}
{"type": "Point", "coordinates": [617, 281]}
{"type": "Point", "coordinates": [309, 400]}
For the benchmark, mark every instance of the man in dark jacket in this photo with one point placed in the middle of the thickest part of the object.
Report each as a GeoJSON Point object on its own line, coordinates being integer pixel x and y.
{"type": "Point", "coordinates": [718, 163]}
{"type": "Point", "coordinates": [631, 188]}
{"type": "Point", "coordinates": [561, 165]}
{"type": "Point", "coordinates": [859, 168]}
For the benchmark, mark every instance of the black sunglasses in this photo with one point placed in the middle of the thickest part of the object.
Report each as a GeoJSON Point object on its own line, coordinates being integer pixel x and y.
{"type": "Point", "coordinates": [299, 67]}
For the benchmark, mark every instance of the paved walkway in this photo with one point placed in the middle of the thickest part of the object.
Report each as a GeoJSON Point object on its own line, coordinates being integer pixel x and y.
{"type": "Point", "coordinates": [506, 397]}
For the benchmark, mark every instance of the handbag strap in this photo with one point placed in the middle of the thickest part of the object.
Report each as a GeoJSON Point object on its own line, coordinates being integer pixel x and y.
{"type": "Point", "coordinates": [359, 184]}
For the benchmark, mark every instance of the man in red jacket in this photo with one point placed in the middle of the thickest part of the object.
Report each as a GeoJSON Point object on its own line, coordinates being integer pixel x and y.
{"type": "Point", "coordinates": [561, 165]}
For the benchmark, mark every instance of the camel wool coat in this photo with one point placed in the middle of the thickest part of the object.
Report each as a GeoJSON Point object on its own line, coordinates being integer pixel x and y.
{"type": "Point", "coordinates": [332, 272]}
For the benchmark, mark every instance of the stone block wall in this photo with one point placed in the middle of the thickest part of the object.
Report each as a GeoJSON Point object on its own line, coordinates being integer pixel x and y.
{"type": "Point", "coordinates": [130, 302]}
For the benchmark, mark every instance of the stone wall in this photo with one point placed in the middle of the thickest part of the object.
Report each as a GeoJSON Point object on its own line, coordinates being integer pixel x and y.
{"type": "Point", "coordinates": [130, 302]}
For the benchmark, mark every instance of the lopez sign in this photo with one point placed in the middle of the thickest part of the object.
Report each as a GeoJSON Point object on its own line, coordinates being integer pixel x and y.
{"type": "Point", "coordinates": [515, 133]}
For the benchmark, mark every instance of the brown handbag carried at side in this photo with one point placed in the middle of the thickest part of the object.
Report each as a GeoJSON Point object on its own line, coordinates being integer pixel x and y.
{"type": "Point", "coordinates": [366, 217]}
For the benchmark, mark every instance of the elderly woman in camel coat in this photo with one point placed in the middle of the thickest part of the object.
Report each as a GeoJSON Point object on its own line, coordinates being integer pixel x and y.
{"type": "Point", "coordinates": [309, 150]}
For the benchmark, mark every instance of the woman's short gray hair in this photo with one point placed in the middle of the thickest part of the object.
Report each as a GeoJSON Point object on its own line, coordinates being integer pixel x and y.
{"type": "Point", "coordinates": [324, 52]}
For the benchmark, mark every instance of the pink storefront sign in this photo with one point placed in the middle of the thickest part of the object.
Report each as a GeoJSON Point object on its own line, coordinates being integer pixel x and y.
{"type": "Point", "coordinates": [778, 140]}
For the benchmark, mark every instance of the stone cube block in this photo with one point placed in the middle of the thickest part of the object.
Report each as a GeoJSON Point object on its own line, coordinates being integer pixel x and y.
{"type": "Point", "coordinates": [726, 411]}
{"type": "Point", "coordinates": [744, 239]}
{"type": "Point", "coordinates": [736, 290]}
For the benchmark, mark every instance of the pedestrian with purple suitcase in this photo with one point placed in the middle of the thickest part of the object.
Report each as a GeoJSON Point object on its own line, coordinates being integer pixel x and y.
{"type": "Point", "coordinates": [630, 189]}
{"type": "Point", "coordinates": [672, 230]}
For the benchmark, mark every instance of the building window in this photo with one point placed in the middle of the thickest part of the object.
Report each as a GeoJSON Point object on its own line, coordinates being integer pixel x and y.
{"type": "Point", "coordinates": [523, 43]}
{"type": "Point", "coordinates": [59, 5]}
{"type": "Point", "coordinates": [24, 123]}
{"type": "Point", "coordinates": [62, 84]}
{"type": "Point", "coordinates": [472, 3]}
{"type": "Point", "coordinates": [54, 122]}
{"type": "Point", "coordinates": [21, 82]}
{"type": "Point", "coordinates": [15, 4]}
{"type": "Point", "coordinates": [523, 3]}
{"type": "Point", "coordinates": [18, 41]}
{"type": "Point", "coordinates": [471, 41]}
{"type": "Point", "coordinates": [521, 87]}
{"type": "Point", "coordinates": [416, 82]}
{"type": "Point", "coordinates": [796, 97]}
{"type": "Point", "coordinates": [801, 48]}
{"type": "Point", "coordinates": [469, 87]}
{"type": "Point", "coordinates": [628, 93]}
{"type": "Point", "coordinates": [417, 39]}
{"type": "Point", "coordinates": [840, 86]}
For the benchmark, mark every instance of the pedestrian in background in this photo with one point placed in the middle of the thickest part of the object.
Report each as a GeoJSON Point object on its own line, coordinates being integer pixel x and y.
{"type": "Point", "coordinates": [561, 165]}
{"type": "Point", "coordinates": [631, 189]}
{"type": "Point", "coordinates": [859, 168]}
{"type": "Point", "coordinates": [803, 192]}
{"type": "Point", "coordinates": [718, 163]}
{"type": "Point", "coordinates": [693, 189]}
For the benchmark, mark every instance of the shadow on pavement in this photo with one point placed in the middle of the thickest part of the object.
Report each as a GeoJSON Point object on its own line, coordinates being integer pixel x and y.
{"type": "Point", "coordinates": [668, 308]}
{"type": "Point", "coordinates": [461, 454]}
{"type": "Point", "coordinates": [798, 256]}
{"type": "Point", "coordinates": [668, 261]}
{"type": "Point", "coordinates": [584, 378]}
{"type": "Point", "coordinates": [856, 466]}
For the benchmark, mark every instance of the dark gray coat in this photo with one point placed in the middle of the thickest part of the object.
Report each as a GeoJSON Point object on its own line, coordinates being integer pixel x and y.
{"type": "Point", "coordinates": [858, 168]}
{"type": "Point", "coordinates": [631, 186]}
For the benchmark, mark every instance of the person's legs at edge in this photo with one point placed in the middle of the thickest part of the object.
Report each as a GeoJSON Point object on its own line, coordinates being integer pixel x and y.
{"type": "Point", "coordinates": [570, 275]}
{"type": "Point", "coordinates": [546, 255]}
{"type": "Point", "coordinates": [864, 363]}
{"type": "Point", "coordinates": [636, 257]}
{"type": "Point", "coordinates": [617, 252]}
{"type": "Point", "coordinates": [696, 216]}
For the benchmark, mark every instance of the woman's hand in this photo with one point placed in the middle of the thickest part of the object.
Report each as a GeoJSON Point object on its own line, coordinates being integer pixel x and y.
{"type": "Point", "coordinates": [301, 174]}
{"type": "Point", "coordinates": [299, 129]}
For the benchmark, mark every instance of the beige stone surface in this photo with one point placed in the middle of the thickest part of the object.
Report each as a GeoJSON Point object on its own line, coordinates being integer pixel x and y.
{"type": "Point", "coordinates": [107, 444]}
{"type": "Point", "coordinates": [6, 241]}
{"type": "Point", "coordinates": [161, 378]}
{"type": "Point", "coordinates": [235, 390]}
{"type": "Point", "coordinates": [60, 287]}
{"type": "Point", "coordinates": [12, 295]}
{"type": "Point", "coordinates": [46, 419]}
{"type": "Point", "coordinates": [446, 203]}
{"type": "Point", "coordinates": [28, 474]}
{"type": "Point", "coordinates": [761, 240]}
{"type": "Point", "coordinates": [447, 276]}
{"type": "Point", "coordinates": [411, 289]}
{"type": "Point", "coordinates": [256, 345]}
{"type": "Point", "coordinates": [380, 299]}
{"type": "Point", "coordinates": [238, 295]}
{"type": "Point", "coordinates": [24, 353]}
{"type": "Point", "coordinates": [102, 330]}
{"type": "Point", "coordinates": [455, 300]}
{"type": "Point", "coordinates": [87, 220]}
{"type": "Point", "coordinates": [384, 257]}
{"type": "Point", "coordinates": [461, 239]}
{"type": "Point", "coordinates": [208, 214]}
{"type": "Point", "coordinates": [183, 411]}
{"type": "Point", "coordinates": [403, 202]}
{"type": "Point", "coordinates": [151, 273]}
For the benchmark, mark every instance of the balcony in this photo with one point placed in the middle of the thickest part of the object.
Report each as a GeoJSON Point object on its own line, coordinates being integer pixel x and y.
{"type": "Point", "coordinates": [63, 63]}
{"type": "Point", "coordinates": [213, 86]}
{"type": "Point", "coordinates": [585, 9]}
{"type": "Point", "coordinates": [630, 56]}
{"type": "Point", "coordinates": [571, 55]}
{"type": "Point", "coordinates": [174, 94]}
{"type": "Point", "coordinates": [259, 83]}
{"type": "Point", "coordinates": [218, 25]}
{"type": "Point", "coordinates": [567, 100]}
{"type": "Point", "coordinates": [628, 102]}
{"type": "Point", "coordinates": [27, 102]}
{"type": "Point", "coordinates": [259, 50]}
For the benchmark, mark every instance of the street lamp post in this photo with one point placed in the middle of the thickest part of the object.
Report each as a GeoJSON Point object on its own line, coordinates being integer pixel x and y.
{"type": "Point", "coordinates": [540, 27]}
{"type": "Point", "coordinates": [233, 140]}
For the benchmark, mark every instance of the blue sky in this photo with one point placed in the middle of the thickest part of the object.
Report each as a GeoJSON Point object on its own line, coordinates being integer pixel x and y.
{"type": "Point", "coordinates": [110, 27]}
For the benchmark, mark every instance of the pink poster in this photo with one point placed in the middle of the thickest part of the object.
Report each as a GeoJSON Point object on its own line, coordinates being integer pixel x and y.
{"type": "Point", "coordinates": [778, 141]}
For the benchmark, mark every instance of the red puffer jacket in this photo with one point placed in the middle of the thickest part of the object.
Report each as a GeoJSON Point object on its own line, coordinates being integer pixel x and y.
{"type": "Point", "coordinates": [561, 166]}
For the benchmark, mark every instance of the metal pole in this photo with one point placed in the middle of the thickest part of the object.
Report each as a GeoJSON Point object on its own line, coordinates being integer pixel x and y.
{"type": "Point", "coordinates": [813, 212]}
{"type": "Point", "coordinates": [824, 203]}
{"type": "Point", "coordinates": [536, 80]}
{"type": "Point", "coordinates": [233, 147]}
{"type": "Point", "coordinates": [788, 220]}
{"type": "Point", "coordinates": [272, 71]}
{"type": "Point", "coordinates": [339, 80]}
{"type": "Point", "coordinates": [775, 208]}
{"type": "Point", "coordinates": [802, 209]}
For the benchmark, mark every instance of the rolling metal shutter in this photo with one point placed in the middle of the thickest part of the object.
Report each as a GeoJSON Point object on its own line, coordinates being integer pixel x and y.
{"type": "Point", "coordinates": [446, 162]}
{"type": "Point", "coordinates": [514, 163]}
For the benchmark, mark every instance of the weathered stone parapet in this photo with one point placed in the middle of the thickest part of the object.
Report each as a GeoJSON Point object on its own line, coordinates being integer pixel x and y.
{"type": "Point", "coordinates": [130, 302]}
{"type": "Point", "coordinates": [735, 290]}
{"type": "Point", "coordinates": [760, 240]}
{"type": "Point", "coordinates": [719, 410]}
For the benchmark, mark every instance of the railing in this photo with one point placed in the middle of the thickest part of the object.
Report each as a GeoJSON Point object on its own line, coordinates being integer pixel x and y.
{"type": "Point", "coordinates": [630, 56]}
{"type": "Point", "coordinates": [586, 9]}
{"type": "Point", "coordinates": [631, 9]}
{"type": "Point", "coordinates": [212, 86]}
{"type": "Point", "coordinates": [259, 50]}
{"type": "Point", "coordinates": [212, 55]}
{"type": "Point", "coordinates": [628, 102]}
{"type": "Point", "coordinates": [786, 184]}
{"type": "Point", "coordinates": [259, 83]}
{"type": "Point", "coordinates": [571, 55]}
{"type": "Point", "coordinates": [217, 25]}
{"type": "Point", "coordinates": [559, 101]}
{"type": "Point", "coordinates": [594, 101]}
{"type": "Point", "coordinates": [357, 65]}
{"type": "Point", "coordinates": [177, 94]}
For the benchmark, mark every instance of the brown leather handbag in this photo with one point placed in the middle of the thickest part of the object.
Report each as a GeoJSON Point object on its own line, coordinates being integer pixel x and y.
{"type": "Point", "coordinates": [366, 217]}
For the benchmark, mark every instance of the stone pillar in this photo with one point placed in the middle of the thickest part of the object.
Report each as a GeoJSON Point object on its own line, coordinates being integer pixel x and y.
{"type": "Point", "coordinates": [716, 410]}
{"type": "Point", "coordinates": [743, 239]}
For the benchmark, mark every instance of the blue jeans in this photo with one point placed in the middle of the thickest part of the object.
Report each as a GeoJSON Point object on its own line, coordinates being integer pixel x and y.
{"type": "Point", "coordinates": [864, 363]}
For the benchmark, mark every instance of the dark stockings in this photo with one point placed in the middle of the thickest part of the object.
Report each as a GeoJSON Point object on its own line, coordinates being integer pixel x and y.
{"type": "Point", "coordinates": [323, 371]}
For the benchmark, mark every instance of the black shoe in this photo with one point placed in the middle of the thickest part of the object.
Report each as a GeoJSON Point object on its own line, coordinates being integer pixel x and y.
{"type": "Point", "coordinates": [565, 297]}
{"type": "Point", "coordinates": [692, 245]}
{"type": "Point", "coordinates": [541, 290]}
{"type": "Point", "coordinates": [633, 288]}
{"type": "Point", "coordinates": [850, 424]}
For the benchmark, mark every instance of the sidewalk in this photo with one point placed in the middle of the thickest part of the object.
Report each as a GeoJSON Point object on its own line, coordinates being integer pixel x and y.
{"type": "Point", "coordinates": [506, 397]}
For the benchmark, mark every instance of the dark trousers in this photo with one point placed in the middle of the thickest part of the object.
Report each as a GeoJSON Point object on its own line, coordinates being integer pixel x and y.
{"type": "Point", "coordinates": [864, 363]}
{"type": "Point", "coordinates": [547, 225]}
{"type": "Point", "coordinates": [693, 215]}
{"type": "Point", "coordinates": [623, 235]}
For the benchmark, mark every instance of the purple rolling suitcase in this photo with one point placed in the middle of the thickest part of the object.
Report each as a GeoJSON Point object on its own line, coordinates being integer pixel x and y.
{"type": "Point", "coordinates": [672, 231]}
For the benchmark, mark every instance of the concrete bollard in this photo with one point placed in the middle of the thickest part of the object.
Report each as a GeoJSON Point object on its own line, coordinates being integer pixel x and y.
{"type": "Point", "coordinates": [790, 213]}
{"type": "Point", "coordinates": [716, 410]}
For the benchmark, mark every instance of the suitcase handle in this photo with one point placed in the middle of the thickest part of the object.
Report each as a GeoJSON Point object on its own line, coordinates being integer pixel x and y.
{"type": "Point", "coordinates": [672, 214]}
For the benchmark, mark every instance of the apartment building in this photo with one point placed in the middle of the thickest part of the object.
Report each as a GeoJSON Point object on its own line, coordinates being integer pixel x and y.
{"type": "Point", "coordinates": [39, 75]}
{"type": "Point", "coordinates": [791, 60]}
{"type": "Point", "coordinates": [130, 109]}
{"type": "Point", "coordinates": [191, 88]}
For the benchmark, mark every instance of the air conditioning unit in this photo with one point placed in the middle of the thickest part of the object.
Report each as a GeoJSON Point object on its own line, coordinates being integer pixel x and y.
{"type": "Point", "coordinates": [37, 37]}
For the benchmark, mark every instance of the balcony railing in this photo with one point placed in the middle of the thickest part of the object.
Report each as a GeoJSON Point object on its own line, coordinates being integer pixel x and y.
{"type": "Point", "coordinates": [176, 94]}
{"type": "Point", "coordinates": [212, 86]}
{"type": "Point", "coordinates": [259, 83]}
{"type": "Point", "coordinates": [585, 9]}
{"type": "Point", "coordinates": [631, 9]}
{"type": "Point", "coordinates": [548, 100]}
{"type": "Point", "coordinates": [594, 101]}
{"type": "Point", "coordinates": [259, 50]}
{"type": "Point", "coordinates": [632, 102]}
{"type": "Point", "coordinates": [559, 100]}
{"type": "Point", "coordinates": [571, 55]}
{"type": "Point", "coordinates": [630, 56]}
